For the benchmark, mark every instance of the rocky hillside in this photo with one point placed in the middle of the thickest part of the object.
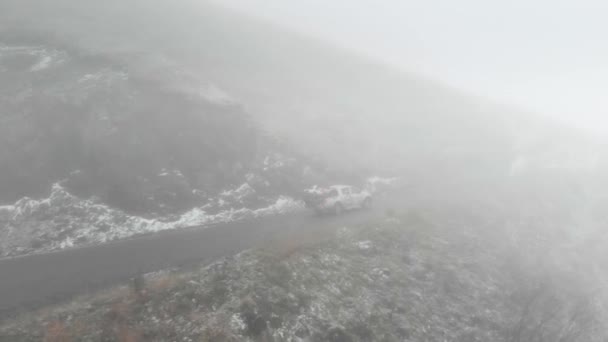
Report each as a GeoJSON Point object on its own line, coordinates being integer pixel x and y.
{"type": "Point", "coordinates": [426, 275]}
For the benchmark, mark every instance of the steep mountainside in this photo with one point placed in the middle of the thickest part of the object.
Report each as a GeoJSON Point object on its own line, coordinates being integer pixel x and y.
{"type": "Point", "coordinates": [111, 132]}
{"type": "Point", "coordinates": [348, 109]}
{"type": "Point", "coordinates": [156, 108]}
{"type": "Point", "coordinates": [92, 150]}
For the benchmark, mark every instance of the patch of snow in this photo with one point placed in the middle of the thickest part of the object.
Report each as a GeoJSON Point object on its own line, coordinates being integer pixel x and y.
{"type": "Point", "coordinates": [382, 180]}
{"type": "Point", "coordinates": [67, 243]}
{"type": "Point", "coordinates": [46, 58]}
{"type": "Point", "coordinates": [44, 63]}
{"type": "Point", "coordinates": [273, 162]}
{"type": "Point", "coordinates": [364, 245]}
{"type": "Point", "coordinates": [198, 192]}
{"type": "Point", "coordinates": [240, 193]}
{"type": "Point", "coordinates": [237, 323]}
{"type": "Point", "coordinates": [381, 273]}
{"type": "Point", "coordinates": [174, 173]}
{"type": "Point", "coordinates": [283, 205]}
{"type": "Point", "coordinates": [105, 76]}
{"type": "Point", "coordinates": [330, 259]}
{"type": "Point", "coordinates": [373, 183]}
{"type": "Point", "coordinates": [316, 190]}
{"type": "Point", "coordinates": [90, 77]}
{"type": "Point", "coordinates": [63, 220]}
{"type": "Point", "coordinates": [198, 217]}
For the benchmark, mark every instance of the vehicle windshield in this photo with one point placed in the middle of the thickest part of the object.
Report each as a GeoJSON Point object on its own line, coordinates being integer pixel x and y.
{"type": "Point", "coordinates": [303, 171]}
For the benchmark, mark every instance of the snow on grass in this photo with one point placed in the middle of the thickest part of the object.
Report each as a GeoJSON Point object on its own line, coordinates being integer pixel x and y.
{"type": "Point", "coordinates": [103, 77]}
{"type": "Point", "coordinates": [174, 173]}
{"type": "Point", "coordinates": [42, 64]}
{"type": "Point", "coordinates": [63, 220]}
{"type": "Point", "coordinates": [46, 58]}
{"type": "Point", "coordinates": [364, 245]}
{"type": "Point", "coordinates": [198, 217]}
{"type": "Point", "coordinates": [375, 183]}
{"type": "Point", "coordinates": [382, 180]}
{"type": "Point", "coordinates": [237, 323]}
{"type": "Point", "coordinates": [240, 193]}
{"type": "Point", "coordinates": [35, 58]}
{"type": "Point", "coordinates": [333, 291]}
{"type": "Point", "coordinates": [272, 162]}
{"type": "Point", "coordinates": [316, 190]}
{"type": "Point", "coordinates": [284, 204]}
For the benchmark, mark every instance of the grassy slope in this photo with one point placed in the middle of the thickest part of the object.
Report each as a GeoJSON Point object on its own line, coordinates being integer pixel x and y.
{"type": "Point", "coordinates": [447, 276]}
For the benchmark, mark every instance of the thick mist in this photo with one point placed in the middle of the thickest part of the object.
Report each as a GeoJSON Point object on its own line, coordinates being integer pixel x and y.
{"type": "Point", "coordinates": [351, 112]}
{"type": "Point", "coordinates": [545, 56]}
{"type": "Point", "coordinates": [123, 119]}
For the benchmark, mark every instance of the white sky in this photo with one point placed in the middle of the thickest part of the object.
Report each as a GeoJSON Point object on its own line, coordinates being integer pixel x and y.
{"type": "Point", "coordinates": [550, 56]}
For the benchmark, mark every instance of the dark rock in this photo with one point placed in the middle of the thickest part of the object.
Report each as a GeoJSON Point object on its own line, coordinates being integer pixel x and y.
{"type": "Point", "coordinates": [256, 325]}
{"type": "Point", "coordinates": [338, 335]}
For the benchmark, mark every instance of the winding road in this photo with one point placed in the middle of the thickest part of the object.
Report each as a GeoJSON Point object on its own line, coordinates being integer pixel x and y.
{"type": "Point", "coordinates": [33, 281]}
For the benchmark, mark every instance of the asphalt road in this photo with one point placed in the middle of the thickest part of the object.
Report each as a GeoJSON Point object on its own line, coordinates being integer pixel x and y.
{"type": "Point", "coordinates": [31, 282]}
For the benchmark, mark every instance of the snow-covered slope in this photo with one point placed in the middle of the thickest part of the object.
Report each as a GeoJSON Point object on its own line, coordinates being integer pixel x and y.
{"type": "Point", "coordinates": [63, 220]}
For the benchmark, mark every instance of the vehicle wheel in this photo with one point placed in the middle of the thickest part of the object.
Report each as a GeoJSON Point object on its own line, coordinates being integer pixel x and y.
{"type": "Point", "coordinates": [367, 203]}
{"type": "Point", "coordinates": [338, 209]}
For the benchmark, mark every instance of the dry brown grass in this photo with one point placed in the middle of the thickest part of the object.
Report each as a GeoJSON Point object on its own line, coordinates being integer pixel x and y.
{"type": "Point", "coordinates": [129, 334]}
{"type": "Point", "coordinates": [79, 328]}
{"type": "Point", "coordinates": [217, 334]}
{"type": "Point", "coordinates": [286, 248]}
{"type": "Point", "coordinates": [56, 331]}
{"type": "Point", "coordinates": [113, 293]}
{"type": "Point", "coordinates": [120, 311]}
{"type": "Point", "coordinates": [163, 283]}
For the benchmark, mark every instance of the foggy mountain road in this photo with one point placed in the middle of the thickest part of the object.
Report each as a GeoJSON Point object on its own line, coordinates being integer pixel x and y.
{"type": "Point", "coordinates": [33, 281]}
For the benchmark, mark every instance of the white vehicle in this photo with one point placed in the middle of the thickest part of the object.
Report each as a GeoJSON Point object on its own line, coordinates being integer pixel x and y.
{"type": "Point", "coordinates": [337, 199]}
